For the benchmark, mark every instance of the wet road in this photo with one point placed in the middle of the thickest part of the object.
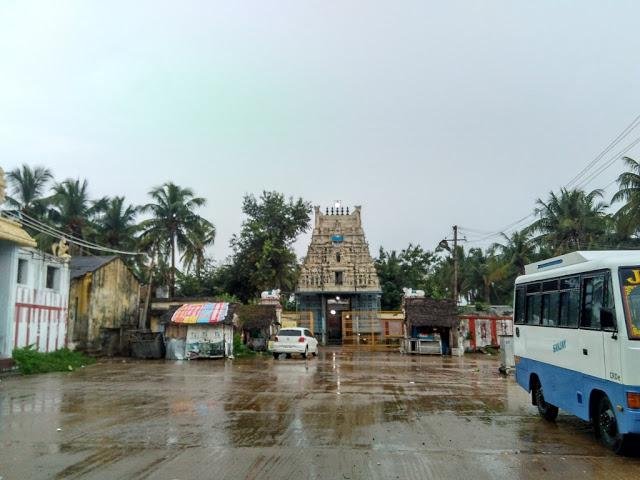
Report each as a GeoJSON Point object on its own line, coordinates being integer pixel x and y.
{"type": "Point", "coordinates": [339, 416]}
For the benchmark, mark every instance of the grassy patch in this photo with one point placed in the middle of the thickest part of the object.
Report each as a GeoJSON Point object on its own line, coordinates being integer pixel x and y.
{"type": "Point", "coordinates": [31, 361]}
{"type": "Point", "coordinates": [240, 349]}
{"type": "Point", "coordinates": [491, 350]}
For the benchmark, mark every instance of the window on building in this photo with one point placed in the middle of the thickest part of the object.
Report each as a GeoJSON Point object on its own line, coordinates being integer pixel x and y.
{"type": "Point", "coordinates": [338, 257]}
{"type": "Point", "coordinates": [23, 271]}
{"type": "Point", "coordinates": [53, 278]}
{"type": "Point", "coordinates": [338, 278]}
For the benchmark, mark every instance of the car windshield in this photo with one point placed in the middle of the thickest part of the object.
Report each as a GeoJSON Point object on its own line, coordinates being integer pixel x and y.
{"type": "Point", "coordinates": [289, 333]}
{"type": "Point", "coordinates": [630, 281]}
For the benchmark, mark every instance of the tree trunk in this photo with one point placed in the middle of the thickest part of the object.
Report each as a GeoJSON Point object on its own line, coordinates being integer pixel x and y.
{"type": "Point", "coordinates": [143, 321]}
{"type": "Point", "coordinates": [172, 287]}
{"type": "Point", "coordinates": [487, 291]}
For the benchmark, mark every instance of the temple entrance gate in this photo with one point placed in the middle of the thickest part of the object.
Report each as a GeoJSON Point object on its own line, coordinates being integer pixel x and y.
{"type": "Point", "coordinates": [372, 330]}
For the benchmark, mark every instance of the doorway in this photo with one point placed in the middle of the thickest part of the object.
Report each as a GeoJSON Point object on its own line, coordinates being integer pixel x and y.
{"type": "Point", "coordinates": [335, 307]}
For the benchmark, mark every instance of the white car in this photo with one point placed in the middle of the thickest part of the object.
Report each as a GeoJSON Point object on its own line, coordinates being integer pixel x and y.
{"type": "Point", "coordinates": [294, 340]}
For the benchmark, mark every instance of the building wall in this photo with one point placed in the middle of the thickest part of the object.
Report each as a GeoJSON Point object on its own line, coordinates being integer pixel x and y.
{"type": "Point", "coordinates": [106, 298]}
{"type": "Point", "coordinates": [8, 267]}
{"type": "Point", "coordinates": [40, 308]}
{"type": "Point", "coordinates": [31, 313]}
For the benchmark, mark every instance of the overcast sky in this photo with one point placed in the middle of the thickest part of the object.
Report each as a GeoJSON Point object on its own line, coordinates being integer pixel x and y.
{"type": "Point", "coordinates": [428, 114]}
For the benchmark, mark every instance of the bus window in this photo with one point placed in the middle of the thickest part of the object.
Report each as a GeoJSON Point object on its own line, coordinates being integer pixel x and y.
{"type": "Point", "coordinates": [550, 306]}
{"type": "Point", "coordinates": [533, 288]}
{"type": "Point", "coordinates": [592, 301]}
{"type": "Point", "coordinates": [533, 309]}
{"type": "Point", "coordinates": [609, 301]}
{"type": "Point", "coordinates": [569, 308]}
{"type": "Point", "coordinates": [570, 283]}
{"type": "Point", "coordinates": [519, 310]}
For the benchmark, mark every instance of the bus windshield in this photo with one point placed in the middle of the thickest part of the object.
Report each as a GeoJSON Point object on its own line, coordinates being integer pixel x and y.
{"type": "Point", "coordinates": [630, 281]}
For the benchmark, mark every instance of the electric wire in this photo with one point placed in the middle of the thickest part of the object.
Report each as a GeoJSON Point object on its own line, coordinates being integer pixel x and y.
{"type": "Point", "coordinates": [21, 216]}
{"type": "Point", "coordinates": [607, 149]}
{"type": "Point", "coordinates": [56, 234]}
{"type": "Point", "coordinates": [608, 164]}
{"type": "Point", "coordinates": [580, 177]}
{"type": "Point", "coordinates": [52, 232]}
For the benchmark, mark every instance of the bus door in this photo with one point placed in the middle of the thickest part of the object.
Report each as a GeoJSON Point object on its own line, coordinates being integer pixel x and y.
{"type": "Point", "coordinates": [591, 342]}
{"type": "Point", "coordinates": [609, 322]}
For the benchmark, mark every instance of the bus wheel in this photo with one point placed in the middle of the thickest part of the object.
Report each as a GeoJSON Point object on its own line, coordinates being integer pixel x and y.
{"type": "Point", "coordinates": [606, 427]}
{"type": "Point", "coordinates": [546, 410]}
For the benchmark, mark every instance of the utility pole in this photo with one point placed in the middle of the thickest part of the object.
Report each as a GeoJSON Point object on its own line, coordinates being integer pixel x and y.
{"type": "Point", "coordinates": [455, 264]}
{"type": "Point", "coordinates": [444, 244]}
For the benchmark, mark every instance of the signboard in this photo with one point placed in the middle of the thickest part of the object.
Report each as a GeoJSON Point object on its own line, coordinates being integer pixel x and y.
{"type": "Point", "coordinates": [205, 341]}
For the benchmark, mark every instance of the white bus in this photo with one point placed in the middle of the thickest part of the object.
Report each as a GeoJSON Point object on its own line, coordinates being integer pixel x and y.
{"type": "Point", "coordinates": [577, 340]}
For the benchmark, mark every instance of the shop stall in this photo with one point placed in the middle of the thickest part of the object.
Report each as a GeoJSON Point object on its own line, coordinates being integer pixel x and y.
{"type": "Point", "coordinates": [431, 326]}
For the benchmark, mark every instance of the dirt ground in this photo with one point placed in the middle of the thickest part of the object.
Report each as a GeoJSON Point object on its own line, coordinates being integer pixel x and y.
{"type": "Point", "coordinates": [339, 416]}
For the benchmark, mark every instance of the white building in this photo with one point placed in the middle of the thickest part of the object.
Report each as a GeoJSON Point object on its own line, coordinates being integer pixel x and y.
{"type": "Point", "coordinates": [34, 292]}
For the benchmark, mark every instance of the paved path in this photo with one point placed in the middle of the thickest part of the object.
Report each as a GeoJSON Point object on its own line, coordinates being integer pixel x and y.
{"type": "Point", "coordinates": [338, 416]}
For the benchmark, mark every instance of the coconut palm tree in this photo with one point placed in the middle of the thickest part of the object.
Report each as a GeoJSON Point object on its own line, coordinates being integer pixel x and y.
{"type": "Point", "coordinates": [28, 185]}
{"type": "Point", "coordinates": [115, 223]}
{"type": "Point", "coordinates": [71, 209]}
{"type": "Point", "coordinates": [172, 218]}
{"type": "Point", "coordinates": [629, 192]}
{"type": "Point", "coordinates": [571, 220]}
{"type": "Point", "coordinates": [517, 250]}
{"type": "Point", "coordinates": [199, 237]}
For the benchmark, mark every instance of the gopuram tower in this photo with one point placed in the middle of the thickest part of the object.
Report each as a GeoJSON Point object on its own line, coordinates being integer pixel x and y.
{"type": "Point", "coordinates": [338, 274]}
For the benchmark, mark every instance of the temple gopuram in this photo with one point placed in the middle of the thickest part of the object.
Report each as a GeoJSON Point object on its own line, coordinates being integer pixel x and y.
{"type": "Point", "coordinates": [338, 276]}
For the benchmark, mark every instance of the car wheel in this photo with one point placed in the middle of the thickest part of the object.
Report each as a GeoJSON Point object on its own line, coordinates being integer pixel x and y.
{"type": "Point", "coordinates": [276, 355]}
{"type": "Point", "coordinates": [287, 355]}
{"type": "Point", "coordinates": [546, 410]}
{"type": "Point", "coordinates": [606, 427]}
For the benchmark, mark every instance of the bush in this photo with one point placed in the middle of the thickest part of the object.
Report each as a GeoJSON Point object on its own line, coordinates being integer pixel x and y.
{"type": "Point", "coordinates": [239, 348]}
{"type": "Point", "coordinates": [31, 361]}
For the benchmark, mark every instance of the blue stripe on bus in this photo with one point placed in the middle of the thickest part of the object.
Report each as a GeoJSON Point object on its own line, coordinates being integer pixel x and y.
{"type": "Point", "coordinates": [570, 391]}
{"type": "Point", "coordinates": [550, 264]}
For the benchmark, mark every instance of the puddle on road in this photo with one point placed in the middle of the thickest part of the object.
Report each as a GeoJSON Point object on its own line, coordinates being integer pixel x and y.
{"type": "Point", "coordinates": [137, 413]}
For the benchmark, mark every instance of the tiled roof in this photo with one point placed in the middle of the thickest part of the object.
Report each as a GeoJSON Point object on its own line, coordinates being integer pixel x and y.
{"type": "Point", "coordinates": [80, 266]}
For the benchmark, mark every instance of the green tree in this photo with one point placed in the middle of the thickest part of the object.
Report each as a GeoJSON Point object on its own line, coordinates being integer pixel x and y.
{"type": "Point", "coordinates": [572, 220]}
{"type": "Point", "coordinates": [115, 223]}
{"type": "Point", "coordinates": [172, 218]}
{"type": "Point", "coordinates": [263, 257]}
{"type": "Point", "coordinates": [200, 236]}
{"type": "Point", "coordinates": [71, 210]}
{"type": "Point", "coordinates": [517, 249]}
{"type": "Point", "coordinates": [411, 268]}
{"type": "Point", "coordinates": [28, 186]}
{"type": "Point", "coordinates": [628, 216]}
